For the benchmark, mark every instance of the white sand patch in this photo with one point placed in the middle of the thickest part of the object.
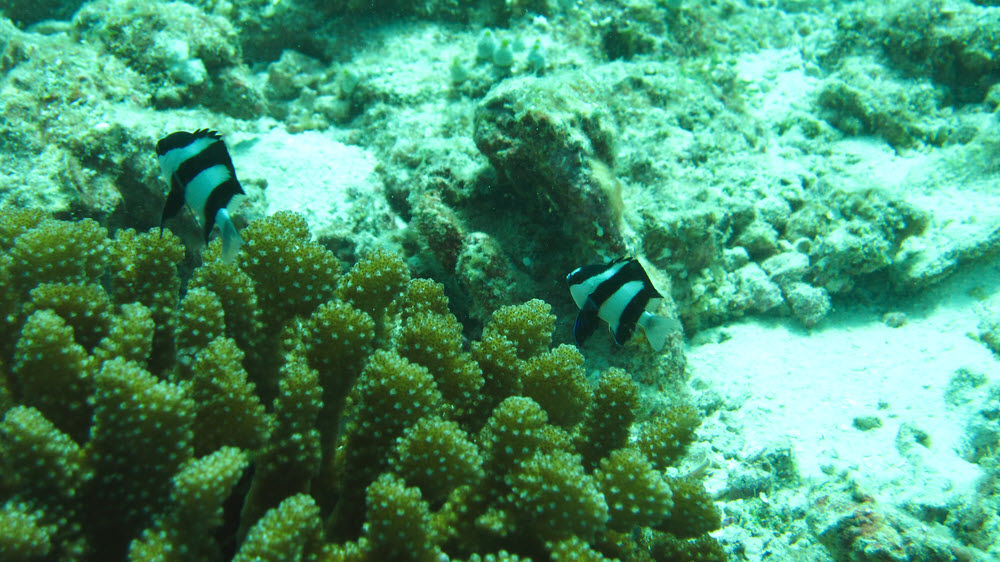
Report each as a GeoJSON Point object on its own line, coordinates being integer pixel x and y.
{"type": "Point", "coordinates": [805, 388]}
{"type": "Point", "coordinates": [777, 82]}
{"type": "Point", "coordinates": [333, 185]}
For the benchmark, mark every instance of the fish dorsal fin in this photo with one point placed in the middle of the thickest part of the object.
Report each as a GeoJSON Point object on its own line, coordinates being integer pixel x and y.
{"type": "Point", "coordinates": [207, 134]}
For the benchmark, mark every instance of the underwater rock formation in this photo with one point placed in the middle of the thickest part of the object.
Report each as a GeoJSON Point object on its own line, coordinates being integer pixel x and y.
{"type": "Point", "coordinates": [553, 146]}
{"type": "Point", "coordinates": [187, 67]}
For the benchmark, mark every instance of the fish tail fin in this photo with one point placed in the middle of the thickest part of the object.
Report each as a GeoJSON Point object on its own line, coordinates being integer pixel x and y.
{"type": "Point", "coordinates": [657, 328]}
{"type": "Point", "coordinates": [231, 240]}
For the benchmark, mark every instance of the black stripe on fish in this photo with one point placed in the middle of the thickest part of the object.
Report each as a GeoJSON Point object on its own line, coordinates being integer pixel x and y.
{"type": "Point", "coordinates": [631, 271]}
{"type": "Point", "coordinates": [629, 317]}
{"type": "Point", "coordinates": [180, 139]}
{"type": "Point", "coordinates": [175, 200]}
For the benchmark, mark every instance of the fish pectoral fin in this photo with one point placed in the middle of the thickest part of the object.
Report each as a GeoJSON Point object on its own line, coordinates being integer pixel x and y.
{"type": "Point", "coordinates": [586, 323]}
{"type": "Point", "coordinates": [657, 328]}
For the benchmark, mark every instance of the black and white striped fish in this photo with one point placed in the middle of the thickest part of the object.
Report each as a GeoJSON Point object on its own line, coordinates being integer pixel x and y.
{"type": "Point", "coordinates": [201, 175]}
{"type": "Point", "coordinates": [621, 294]}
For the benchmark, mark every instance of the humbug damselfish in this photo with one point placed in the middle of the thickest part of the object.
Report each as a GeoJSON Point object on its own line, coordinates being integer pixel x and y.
{"type": "Point", "coordinates": [201, 175]}
{"type": "Point", "coordinates": [621, 294]}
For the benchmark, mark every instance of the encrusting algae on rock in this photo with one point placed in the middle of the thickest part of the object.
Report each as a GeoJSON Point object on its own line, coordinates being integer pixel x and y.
{"type": "Point", "coordinates": [277, 409]}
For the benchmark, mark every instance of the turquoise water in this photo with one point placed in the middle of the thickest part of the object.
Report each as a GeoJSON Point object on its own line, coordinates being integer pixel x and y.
{"type": "Point", "coordinates": [810, 186]}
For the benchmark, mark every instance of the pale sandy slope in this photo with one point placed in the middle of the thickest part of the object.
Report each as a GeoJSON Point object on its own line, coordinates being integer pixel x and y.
{"type": "Point", "coordinates": [804, 388]}
{"type": "Point", "coordinates": [784, 386]}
